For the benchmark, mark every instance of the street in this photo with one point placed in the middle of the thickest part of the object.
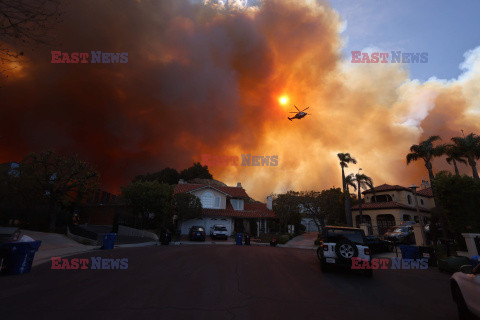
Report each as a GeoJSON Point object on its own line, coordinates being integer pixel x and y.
{"type": "Point", "coordinates": [222, 282]}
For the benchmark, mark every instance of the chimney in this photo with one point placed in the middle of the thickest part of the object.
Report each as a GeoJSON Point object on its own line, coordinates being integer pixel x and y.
{"type": "Point", "coordinates": [181, 181]}
{"type": "Point", "coordinates": [269, 202]}
{"type": "Point", "coordinates": [239, 185]}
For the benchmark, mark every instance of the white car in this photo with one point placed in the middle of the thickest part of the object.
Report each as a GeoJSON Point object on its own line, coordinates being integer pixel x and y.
{"type": "Point", "coordinates": [340, 245]}
{"type": "Point", "coordinates": [218, 231]}
{"type": "Point", "coordinates": [465, 286]}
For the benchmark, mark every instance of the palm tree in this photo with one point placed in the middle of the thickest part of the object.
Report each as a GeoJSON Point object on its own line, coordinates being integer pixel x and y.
{"type": "Point", "coordinates": [345, 159]}
{"type": "Point", "coordinates": [426, 151]}
{"type": "Point", "coordinates": [453, 156]}
{"type": "Point", "coordinates": [363, 182]}
{"type": "Point", "coordinates": [469, 147]}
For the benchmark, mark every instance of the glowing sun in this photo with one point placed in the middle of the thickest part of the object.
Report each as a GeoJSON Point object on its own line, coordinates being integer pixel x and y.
{"type": "Point", "coordinates": [283, 100]}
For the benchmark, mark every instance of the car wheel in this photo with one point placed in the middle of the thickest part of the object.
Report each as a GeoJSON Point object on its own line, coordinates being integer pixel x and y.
{"type": "Point", "coordinates": [346, 250]}
{"type": "Point", "coordinates": [463, 312]}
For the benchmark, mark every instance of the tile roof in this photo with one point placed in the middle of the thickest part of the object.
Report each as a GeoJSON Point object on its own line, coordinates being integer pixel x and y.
{"type": "Point", "coordinates": [251, 210]}
{"type": "Point", "coordinates": [234, 192]}
{"type": "Point", "coordinates": [387, 187]}
{"type": "Point", "coordinates": [387, 205]}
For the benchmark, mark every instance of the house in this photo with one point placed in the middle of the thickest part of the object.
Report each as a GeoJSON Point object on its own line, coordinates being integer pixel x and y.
{"type": "Point", "coordinates": [390, 205]}
{"type": "Point", "coordinates": [228, 206]}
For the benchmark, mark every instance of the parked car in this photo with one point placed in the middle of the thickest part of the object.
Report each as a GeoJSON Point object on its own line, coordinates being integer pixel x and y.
{"type": "Point", "coordinates": [340, 245]}
{"type": "Point", "coordinates": [378, 245]}
{"type": "Point", "coordinates": [465, 286]}
{"type": "Point", "coordinates": [218, 231]}
{"type": "Point", "coordinates": [197, 233]}
{"type": "Point", "coordinates": [400, 234]}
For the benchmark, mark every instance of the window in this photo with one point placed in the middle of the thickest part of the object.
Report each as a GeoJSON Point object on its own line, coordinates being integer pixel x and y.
{"type": "Point", "coordinates": [421, 201]}
{"type": "Point", "coordinates": [217, 202]}
{"type": "Point", "coordinates": [207, 199]}
{"type": "Point", "coordinates": [237, 204]}
{"type": "Point", "coordinates": [409, 199]}
{"type": "Point", "coordinates": [382, 198]}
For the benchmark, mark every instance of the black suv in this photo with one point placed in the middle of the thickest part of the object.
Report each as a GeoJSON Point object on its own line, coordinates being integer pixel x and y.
{"type": "Point", "coordinates": [197, 233]}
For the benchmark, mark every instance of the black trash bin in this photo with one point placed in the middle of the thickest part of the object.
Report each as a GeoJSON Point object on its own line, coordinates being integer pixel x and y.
{"type": "Point", "coordinates": [449, 245]}
{"type": "Point", "coordinates": [247, 240]}
{"type": "Point", "coordinates": [430, 254]}
{"type": "Point", "coordinates": [166, 237]}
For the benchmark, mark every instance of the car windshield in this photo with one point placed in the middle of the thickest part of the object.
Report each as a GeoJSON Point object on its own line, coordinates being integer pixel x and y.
{"type": "Point", "coordinates": [400, 229]}
{"type": "Point", "coordinates": [198, 229]}
{"type": "Point", "coordinates": [220, 229]}
{"type": "Point", "coordinates": [337, 235]}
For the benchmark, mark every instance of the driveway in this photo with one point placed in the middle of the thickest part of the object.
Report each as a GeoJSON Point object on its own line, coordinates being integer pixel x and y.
{"type": "Point", "coordinates": [223, 282]}
{"type": "Point", "coordinates": [304, 241]}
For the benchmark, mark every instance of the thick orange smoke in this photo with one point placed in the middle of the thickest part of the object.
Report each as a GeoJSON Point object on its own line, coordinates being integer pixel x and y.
{"type": "Point", "coordinates": [207, 78]}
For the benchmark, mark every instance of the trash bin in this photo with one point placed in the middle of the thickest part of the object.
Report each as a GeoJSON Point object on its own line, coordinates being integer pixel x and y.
{"type": "Point", "coordinates": [239, 239]}
{"type": "Point", "coordinates": [475, 260]}
{"type": "Point", "coordinates": [166, 238]}
{"type": "Point", "coordinates": [409, 252]}
{"type": "Point", "coordinates": [247, 240]}
{"type": "Point", "coordinates": [17, 257]}
{"type": "Point", "coordinates": [109, 241]}
{"type": "Point", "coordinates": [428, 253]}
{"type": "Point", "coordinates": [273, 242]}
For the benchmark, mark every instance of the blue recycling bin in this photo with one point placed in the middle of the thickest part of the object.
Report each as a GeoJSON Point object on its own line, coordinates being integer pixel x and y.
{"type": "Point", "coordinates": [109, 241]}
{"type": "Point", "coordinates": [475, 260]}
{"type": "Point", "coordinates": [409, 252]}
{"type": "Point", "coordinates": [17, 257]}
{"type": "Point", "coordinates": [239, 239]}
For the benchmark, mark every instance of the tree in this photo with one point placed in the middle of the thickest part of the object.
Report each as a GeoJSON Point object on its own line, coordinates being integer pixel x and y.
{"type": "Point", "coordinates": [469, 147]}
{"type": "Point", "coordinates": [459, 197]}
{"type": "Point", "coordinates": [325, 206]}
{"type": "Point", "coordinates": [363, 182]}
{"type": "Point", "coordinates": [454, 155]}
{"type": "Point", "coordinates": [345, 159]}
{"type": "Point", "coordinates": [168, 175]}
{"type": "Point", "coordinates": [426, 151]}
{"type": "Point", "coordinates": [287, 209]}
{"type": "Point", "coordinates": [196, 171]}
{"type": "Point", "coordinates": [57, 179]}
{"type": "Point", "coordinates": [187, 206]}
{"type": "Point", "coordinates": [24, 21]}
{"type": "Point", "coordinates": [150, 200]}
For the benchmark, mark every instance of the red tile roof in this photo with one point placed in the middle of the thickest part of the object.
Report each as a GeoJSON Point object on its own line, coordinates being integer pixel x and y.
{"type": "Point", "coordinates": [428, 192]}
{"type": "Point", "coordinates": [251, 210]}
{"type": "Point", "coordinates": [234, 192]}
{"type": "Point", "coordinates": [387, 187]}
{"type": "Point", "coordinates": [387, 205]}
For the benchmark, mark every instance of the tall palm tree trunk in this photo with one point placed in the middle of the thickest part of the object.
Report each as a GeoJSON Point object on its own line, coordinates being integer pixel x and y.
{"type": "Point", "coordinates": [473, 164]}
{"type": "Point", "coordinates": [360, 204]}
{"type": "Point", "coordinates": [348, 205]}
{"type": "Point", "coordinates": [428, 164]}
{"type": "Point", "coordinates": [456, 167]}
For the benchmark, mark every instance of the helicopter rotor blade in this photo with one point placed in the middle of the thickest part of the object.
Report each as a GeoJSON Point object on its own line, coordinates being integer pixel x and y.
{"type": "Point", "coordinates": [296, 108]}
{"type": "Point", "coordinates": [293, 112]}
{"type": "Point", "coordinates": [305, 109]}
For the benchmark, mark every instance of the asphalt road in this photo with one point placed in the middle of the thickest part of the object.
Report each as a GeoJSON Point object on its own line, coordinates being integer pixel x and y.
{"type": "Point", "coordinates": [222, 282]}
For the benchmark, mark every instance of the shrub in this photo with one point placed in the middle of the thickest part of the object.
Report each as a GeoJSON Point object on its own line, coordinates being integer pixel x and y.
{"type": "Point", "coordinates": [284, 238]}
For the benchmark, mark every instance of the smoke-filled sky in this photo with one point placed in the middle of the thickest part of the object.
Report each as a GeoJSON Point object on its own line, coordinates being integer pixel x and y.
{"type": "Point", "coordinates": [207, 78]}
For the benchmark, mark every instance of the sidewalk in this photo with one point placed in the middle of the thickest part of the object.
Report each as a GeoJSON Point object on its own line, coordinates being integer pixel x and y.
{"type": "Point", "coordinates": [55, 245]}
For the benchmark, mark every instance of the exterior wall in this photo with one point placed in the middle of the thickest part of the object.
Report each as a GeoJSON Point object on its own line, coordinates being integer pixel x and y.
{"type": "Point", "coordinates": [223, 198]}
{"type": "Point", "coordinates": [396, 213]}
{"type": "Point", "coordinates": [402, 197]}
{"type": "Point", "coordinates": [207, 222]}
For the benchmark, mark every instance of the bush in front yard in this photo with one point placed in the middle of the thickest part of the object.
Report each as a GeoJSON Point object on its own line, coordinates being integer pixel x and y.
{"type": "Point", "coordinates": [284, 238]}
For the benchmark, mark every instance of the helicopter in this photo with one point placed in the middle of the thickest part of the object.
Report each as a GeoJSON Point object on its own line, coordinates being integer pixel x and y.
{"type": "Point", "coordinates": [299, 115]}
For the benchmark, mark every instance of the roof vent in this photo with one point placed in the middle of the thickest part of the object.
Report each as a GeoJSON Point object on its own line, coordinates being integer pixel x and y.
{"type": "Point", "coordinates": [239, 185]}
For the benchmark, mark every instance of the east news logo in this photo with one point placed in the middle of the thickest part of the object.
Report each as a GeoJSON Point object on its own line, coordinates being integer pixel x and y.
{"type": "Point", "coordinates": [96, 57]}
{"type": "Point", "coordinates": [95, 263]}
{"type": "Point", "coordinates": [397, 57]}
